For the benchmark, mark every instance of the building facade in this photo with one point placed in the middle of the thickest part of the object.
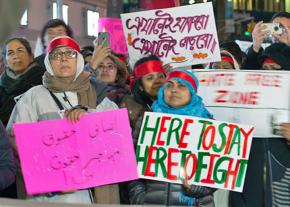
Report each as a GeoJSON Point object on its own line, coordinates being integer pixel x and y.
{"type": "Point", "coordinates": [80, 15]}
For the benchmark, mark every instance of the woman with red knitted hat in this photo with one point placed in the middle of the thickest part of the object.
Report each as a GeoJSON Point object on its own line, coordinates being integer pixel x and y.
{"type": "Point", "coordinates": [65, 88]}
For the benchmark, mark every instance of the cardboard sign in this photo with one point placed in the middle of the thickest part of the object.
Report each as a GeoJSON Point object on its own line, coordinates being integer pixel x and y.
{"type": "Point", "coordinates": [258, 98]}
{"type": "Point", "coordinates": [59, 156]}
{"type": "Point", "coordinates": [115, 28]}
{"type": "Point", "coordinates": [212, 153]}
{"type": "Point", "coordinates": [180, 36]}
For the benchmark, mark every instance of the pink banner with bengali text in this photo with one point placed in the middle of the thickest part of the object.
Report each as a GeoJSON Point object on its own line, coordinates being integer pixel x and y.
{"type": "Point", "coordinates": [59, 156]}
{"type": "Point", "coordinates": [117, 38]}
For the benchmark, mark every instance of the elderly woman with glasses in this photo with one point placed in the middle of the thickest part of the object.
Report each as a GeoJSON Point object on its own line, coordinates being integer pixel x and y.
{"type": "Point", "coordinates": [66, 87]}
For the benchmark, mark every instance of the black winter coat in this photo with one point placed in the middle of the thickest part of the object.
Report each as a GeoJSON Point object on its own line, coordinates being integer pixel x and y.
{"type": "Point", "coordinates": [251, 61]}
{"type": "Point", "coordinates": [150, 192]}
{"type": "Point", "coordinates": [7, 165]}
{"type": "Point", "coordinates": [267, 181]}
{"type": "Point", "coordinates": [11, 88]}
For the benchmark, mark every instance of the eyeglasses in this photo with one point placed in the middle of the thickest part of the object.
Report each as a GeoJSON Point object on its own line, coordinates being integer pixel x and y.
{"type": "Point", "coordinates": [110, 67]}
{"type": "Point", "coordinates": [69, 54]}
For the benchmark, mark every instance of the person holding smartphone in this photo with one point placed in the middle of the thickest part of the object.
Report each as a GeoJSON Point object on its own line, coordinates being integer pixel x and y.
{"type": "Point", "coordinates": [107, 68]}
{"type": "Point", "coordinates": [101, 51]}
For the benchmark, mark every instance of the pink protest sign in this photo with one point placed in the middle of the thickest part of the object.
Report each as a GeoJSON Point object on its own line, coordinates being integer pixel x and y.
{"type": "Point", "coordinates": [115, 28]}
{"type": "Point", "coordinates": [58, 156]}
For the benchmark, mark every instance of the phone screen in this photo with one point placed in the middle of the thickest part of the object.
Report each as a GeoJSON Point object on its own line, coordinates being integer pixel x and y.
{"type": "Point", "coordinates": [104, 36]}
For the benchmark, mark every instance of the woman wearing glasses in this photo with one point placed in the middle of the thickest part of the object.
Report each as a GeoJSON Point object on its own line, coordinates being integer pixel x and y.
{"type": "Point", "coordinates": [66, 87]}
{"type": "Point", "coordinates": [107, 68]}
{"type": "Point", "coordinates": [114, 72]}
{"type": "Point", "coordinates": [21, 74]}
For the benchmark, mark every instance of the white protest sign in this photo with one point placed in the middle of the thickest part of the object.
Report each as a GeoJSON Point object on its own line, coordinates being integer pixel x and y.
{"type": "Point", "coordinates": [212, 153]}
{"type": "Point", "coordinates": [258, 98]}
{"type": "Point", "coordinates": [180, 36]}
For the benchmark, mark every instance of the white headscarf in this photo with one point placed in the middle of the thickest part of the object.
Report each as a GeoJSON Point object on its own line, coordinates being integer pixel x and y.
{"type": "Point", "coordinates": [64, 41]}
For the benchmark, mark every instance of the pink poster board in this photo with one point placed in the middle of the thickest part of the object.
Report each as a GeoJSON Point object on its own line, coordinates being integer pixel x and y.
{"type": "Point", "coordinates": [115, 28]}
{"type": "Point", "coordinates": [58, 156]}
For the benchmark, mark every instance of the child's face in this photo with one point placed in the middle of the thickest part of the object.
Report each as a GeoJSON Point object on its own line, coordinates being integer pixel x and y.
{"type": "Point", "coordinates": [176, 94]}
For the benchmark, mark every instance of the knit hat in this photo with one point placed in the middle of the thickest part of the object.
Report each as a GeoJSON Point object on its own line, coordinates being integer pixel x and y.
{"type": "Point", "coordinates": [279, 52]}
{"type": "Point", "coordinates": [186, 77]}
{"type": "Point", "coordinates": [195, 107]}
{"type": "Point", "coordinates": [63, 41]}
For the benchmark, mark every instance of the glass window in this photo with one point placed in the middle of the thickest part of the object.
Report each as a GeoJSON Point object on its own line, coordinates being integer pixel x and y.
{"type": "Point", "coordinates": [24, 19]}
{"type": "Point", "coordinates": [64, 12]}
{"type": "Point", "coordinates": [92, 23]}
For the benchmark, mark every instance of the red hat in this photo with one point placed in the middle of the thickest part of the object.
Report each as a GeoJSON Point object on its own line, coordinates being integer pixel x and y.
{"type": "Point", "coordinates": [269, 60]}
{"type": "Point", "coordinates": [227, 59]}
{"type": "Point", "coordinates": [62, 41]}
{"type": "Point", "coordinates": [151, 66]}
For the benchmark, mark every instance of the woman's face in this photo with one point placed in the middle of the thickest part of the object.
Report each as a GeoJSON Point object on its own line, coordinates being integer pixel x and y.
{"type": "Point", "coordinates": [17, 57]}
{"type": "Point", "coordinates": [222, 65]}
{"type": "Point", "coordinates": [108, 71]}
{"type": "Point", "coordinates": [63, 61]}
{"type": "Point", "coordinates": [151, 83]}
{"type": "Point", "coordinates": [176, 94]}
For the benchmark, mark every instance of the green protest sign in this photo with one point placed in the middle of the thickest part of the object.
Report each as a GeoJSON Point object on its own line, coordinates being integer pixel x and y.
{"type": "Point", "coordinates": [212, 153]}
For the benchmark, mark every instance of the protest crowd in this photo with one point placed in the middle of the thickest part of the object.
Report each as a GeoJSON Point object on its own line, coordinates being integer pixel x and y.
{"type": "Point", "coordinates": [71, 81]}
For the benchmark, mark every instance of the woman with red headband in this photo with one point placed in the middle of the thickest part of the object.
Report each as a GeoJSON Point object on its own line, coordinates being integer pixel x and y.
{"type": "Point", "coordinates": [66, 88]}
{"type": "Point", "coordinates": [148, 77]}
{"type": "Point", "coordinates": [176, 96]}
{"type": "Point", "coordinates": [228, 61]}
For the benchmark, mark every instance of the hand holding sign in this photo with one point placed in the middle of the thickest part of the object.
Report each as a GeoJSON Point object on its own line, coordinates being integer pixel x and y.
{"type": "Point", "coordinates": [185, 184]}
{"type": "Point", "coordinates": [285, 131]}
{"type": "Point", "coordinates": [97, 150]}
{"type": "Point", "coordinates": [75, 113]}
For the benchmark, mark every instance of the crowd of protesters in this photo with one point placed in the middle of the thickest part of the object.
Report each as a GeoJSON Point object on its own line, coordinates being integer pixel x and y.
{"type": "Point", "coordinates": [76, 80]}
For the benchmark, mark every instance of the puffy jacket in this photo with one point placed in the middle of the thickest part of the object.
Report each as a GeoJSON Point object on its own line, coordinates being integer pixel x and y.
{"type": "Point", "coordinates": [151, 192]}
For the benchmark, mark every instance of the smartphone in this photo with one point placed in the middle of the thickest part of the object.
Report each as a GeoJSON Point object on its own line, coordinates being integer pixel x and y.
{"type": "Point", "coordinates": [104, 36]}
